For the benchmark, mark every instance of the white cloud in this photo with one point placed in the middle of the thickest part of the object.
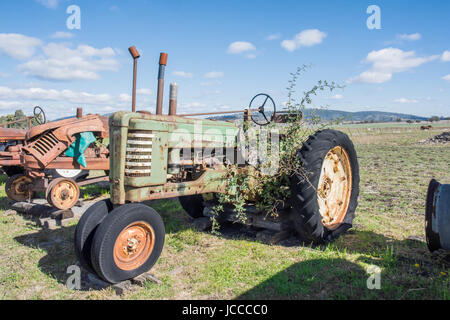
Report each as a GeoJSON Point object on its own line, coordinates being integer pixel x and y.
{"type": "Point", "coordinates": [337, 97]}
{"type": "Point", "coordinates": [51, 4]}
{"type": "Point", "coordinates": [62, 63]}
{"type": "Point", "coordinates": [183, 74]}
{"type": "Point", "coordinates": [4, 75]}
{"type": "Point", "coordinates": [306, 38]}
{"type": "Point", "coordinates": [144, 92]}
{"type": "Point", "coordinates": [405, 100]}
{"type": "Point", "coordinates": [409, 37]}
{"type": "Point", "coordinates": [8, 105]}
{"type": "Point", "coordinates": [446, 56]}
{"type": "Point", "coordinates": [274, 36]}
{"type": "Point", "coordinates": [54, 95]}
{"type": "Point", "coordinates": [124, 97]}
{"type": "Point", "coordinates": [372, 77]}
{"type": "Point", "coordinates": [240, 47]}
{"type": "Point", "coordinates": [62, 35]}
{"type": "Point", "coordinates": [386, 62]}
{"type": "Point", "coordinates": [250, 56]}
{"type": "Point", "coordinates": [214, 75]}
{"type": "Point", "coordinates": [447, 78]}
{"type": "Point", "coordinates": [18, 46]}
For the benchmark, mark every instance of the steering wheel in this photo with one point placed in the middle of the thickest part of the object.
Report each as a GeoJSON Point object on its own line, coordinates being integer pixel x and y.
{"type": "Point", "coordinates": [38, 113]}
{"type": "Point", "coordinates": [261, 101]}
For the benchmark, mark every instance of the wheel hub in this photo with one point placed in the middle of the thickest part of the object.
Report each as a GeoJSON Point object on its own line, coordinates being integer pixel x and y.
{"type": "Point", "coordinates": [63, 193]}
{"type": "Point", "coordinates": [19, 188]}
{"type": "Point", "coordinates": [334, 188]}
{"type": "Point", "coordinates": [134, 245]}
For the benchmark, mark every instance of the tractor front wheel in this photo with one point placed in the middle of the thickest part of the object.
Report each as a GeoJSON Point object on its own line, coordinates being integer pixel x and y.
{"type": "Point", "coordinates": [62, 193]}
{"type": "Point", "coordinates": [127, 243]}
{"type": "Point", "coordinates": [325, 196]}
{"type": "Point", "coordinates": [86, 228]}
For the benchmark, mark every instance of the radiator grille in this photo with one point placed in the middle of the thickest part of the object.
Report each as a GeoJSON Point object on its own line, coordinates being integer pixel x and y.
{"type": "Point", "coordinates": [44, 144]}
{"type": "Point", "coordinates": [138, 160]}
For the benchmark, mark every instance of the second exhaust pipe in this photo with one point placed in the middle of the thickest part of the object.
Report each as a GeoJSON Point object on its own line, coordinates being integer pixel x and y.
{"type": "Point", "coordinates": [162, 67]}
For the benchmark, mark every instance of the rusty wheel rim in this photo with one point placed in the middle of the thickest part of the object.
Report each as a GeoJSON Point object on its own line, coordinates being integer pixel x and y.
{"type": "Point", "coordinates": [335, 187]}
{"type": "Point", "coordinates": [65, 194]}
{"type": "Point", "coordinates": [18, 190]}
{"type": "Point", "coordinates": [134, 245]}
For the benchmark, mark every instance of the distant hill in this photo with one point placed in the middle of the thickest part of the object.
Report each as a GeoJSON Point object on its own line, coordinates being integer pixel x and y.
{"type": "Point", "coordinates": [377, 116]}
{"type": "Point", "coordinates": [327, 115]}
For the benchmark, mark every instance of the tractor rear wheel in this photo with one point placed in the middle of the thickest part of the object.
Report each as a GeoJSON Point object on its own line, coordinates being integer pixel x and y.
{"type": "Point", "coordinates": [85, 230]}
{"type": "Point", "coordinates": [16, 187]}
{"type": "Point", "coordinates": [325, 197]}
{"type": "Point", "coordinates": [127, 243]}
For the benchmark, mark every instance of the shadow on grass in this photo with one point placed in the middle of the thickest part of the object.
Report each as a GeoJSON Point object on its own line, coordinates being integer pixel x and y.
{"type": "Point", "coordinates": [59, 245]}
{"type": "Point", "coordinates": [317, 278]}
{"type": "Point", "coordinates": [408, 271]}
{"type": "Point", "coordinates": [313, 279]}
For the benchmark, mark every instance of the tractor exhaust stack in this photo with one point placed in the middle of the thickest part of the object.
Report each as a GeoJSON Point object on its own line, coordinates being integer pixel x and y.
{"type": "Point", "coordinates": [162, 68]}
{"type": "Point", "coordinates": [135, 54]}
{"type": "Point", "coordinates": [173, 99]}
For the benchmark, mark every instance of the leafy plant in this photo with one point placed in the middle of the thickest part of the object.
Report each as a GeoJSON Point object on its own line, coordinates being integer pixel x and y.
{"type": "Point", "coordinates": [271, 192]}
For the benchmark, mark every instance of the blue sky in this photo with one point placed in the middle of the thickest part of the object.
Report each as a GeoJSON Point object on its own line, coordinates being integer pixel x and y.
{"type": "Point", "coordinates": [221, 53]}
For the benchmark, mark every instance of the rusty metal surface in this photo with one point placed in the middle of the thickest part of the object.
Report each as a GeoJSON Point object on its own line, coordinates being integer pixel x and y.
{"type": "Point", "coordinates": [160, 94]}
{"type": "Point", "coordinates": [173, 99]}
{"type": "Point", "coordinates": [91, 120]}
{"type": "Point", "coordinates": [209, 181]}
{"type": "Point", "coordinates": [8, 134]}
{"type": "Point", "coordinates": [135, 54]}
{"type": "Point", "coordinates": [47, 142]}
{"type": "Point", "coordinates": [93, 180]}
{"type": "Point", "coordinates": [93, 163]}
{"type": "Point", "coordinates": [245, 111]}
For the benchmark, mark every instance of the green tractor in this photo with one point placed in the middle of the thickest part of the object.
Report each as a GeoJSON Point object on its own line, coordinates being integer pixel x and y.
{"type": "Point", "coordinates": [156, 156]}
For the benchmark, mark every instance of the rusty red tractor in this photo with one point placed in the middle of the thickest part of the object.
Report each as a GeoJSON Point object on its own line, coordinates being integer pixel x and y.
{"type": "Point", "coordinates": [156, 156]}
{"type": "Point", "coordinates": [39, 159]}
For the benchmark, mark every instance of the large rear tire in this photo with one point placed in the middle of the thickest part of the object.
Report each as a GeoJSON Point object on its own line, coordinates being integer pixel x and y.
{"type": "Point", "coordinates": [86, 228]}
{"type": "Point", "coordinates": [17, 187]}
{"type": "Point", "coordinates": [127, 243]}
{"type": "Point", "coordinates": [324, 200]}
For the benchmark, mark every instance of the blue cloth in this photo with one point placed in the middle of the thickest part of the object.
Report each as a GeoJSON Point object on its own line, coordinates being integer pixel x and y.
{"type": "Point", "coordinates": [77, 149]}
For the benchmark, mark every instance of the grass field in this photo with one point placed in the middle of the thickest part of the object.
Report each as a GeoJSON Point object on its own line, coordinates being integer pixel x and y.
{"type": "Point", "coordinates": [388, 233]}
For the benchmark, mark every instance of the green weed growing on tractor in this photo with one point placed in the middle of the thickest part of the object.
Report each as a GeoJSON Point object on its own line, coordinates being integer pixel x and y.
{"type": "Point", "coordinates": [273, 191]}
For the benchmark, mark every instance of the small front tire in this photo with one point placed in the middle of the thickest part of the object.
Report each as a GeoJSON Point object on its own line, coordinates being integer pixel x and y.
{"type": "Point", "coordinates": [127, 243]}
{"type": "Point", "coordinates": [86, 228]}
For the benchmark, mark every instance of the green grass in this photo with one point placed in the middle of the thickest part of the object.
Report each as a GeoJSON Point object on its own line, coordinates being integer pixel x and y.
{"type": "Point", "coordinates": [395, 170]}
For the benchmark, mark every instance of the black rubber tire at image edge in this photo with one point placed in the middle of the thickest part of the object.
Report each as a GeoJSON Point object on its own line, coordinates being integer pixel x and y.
{"type": "Point", "coordinates": [86, 228]}
{"type": "Point", "coordinates": [307, 218]}
{"type": "Point", "coordinates": [102, 249]}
